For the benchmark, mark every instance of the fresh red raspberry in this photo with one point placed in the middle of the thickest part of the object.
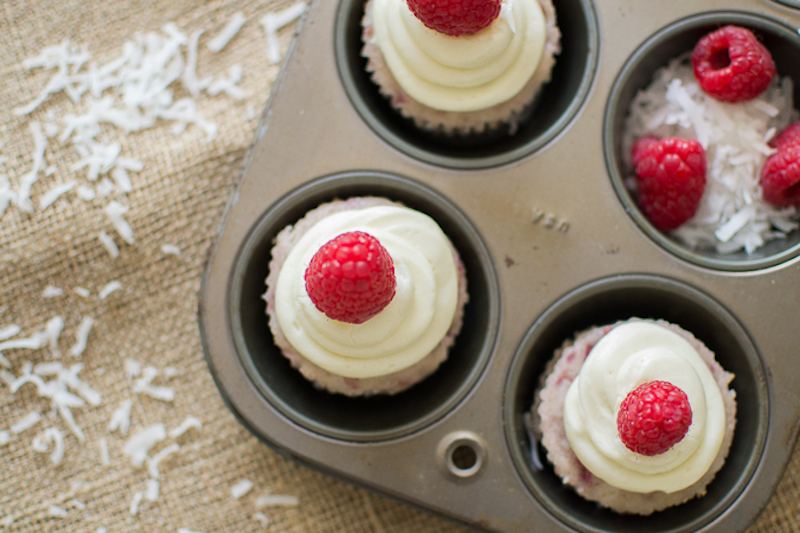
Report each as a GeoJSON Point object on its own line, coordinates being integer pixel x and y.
{"type": "Point", "coordinates": [455, 17]}
{"type": "Point", "coordinates": [731, 65]}
{"type": "Point", "coordinates": [351, 278]}
{"type": "Point", "coordinates": [780, 176]}
{"type": "Point", "coordinates": [671, 175]}
{"type": "Point", "coordinates": [653, 417]}
{"type": "Point", "coordinates": [791, 135]}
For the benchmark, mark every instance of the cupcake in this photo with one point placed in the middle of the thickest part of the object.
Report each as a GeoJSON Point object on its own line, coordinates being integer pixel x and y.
{"type": "Point", "coordinates": [697, 144]}
{"type": "Point", "coordinates": [636, 416]}
{"type": "Point", "coordinates": [365, 296]}
{"type": "Point", "coordinates": [467, 72]}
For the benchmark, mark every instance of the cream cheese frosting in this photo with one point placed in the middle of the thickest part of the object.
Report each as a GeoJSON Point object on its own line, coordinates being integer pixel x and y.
{"type": "Point", "coordinates": [464, 73]}
{"type": "Point", "coordinates": [404, 332]}
{"type": "Point", "coordinates": [629, 355]}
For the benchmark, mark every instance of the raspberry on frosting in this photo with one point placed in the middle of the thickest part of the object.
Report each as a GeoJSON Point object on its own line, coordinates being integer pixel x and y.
{"type": "Point", "coordinates": [654, 417]}
{"type": "Point", "coordinates": [731, 65]}
{"type": "Point", "coordinates": [455, 17]}
{"type": "Point", "coordinates": [351, 278]}
{"type": "Point", "coordinates": [671, 177]}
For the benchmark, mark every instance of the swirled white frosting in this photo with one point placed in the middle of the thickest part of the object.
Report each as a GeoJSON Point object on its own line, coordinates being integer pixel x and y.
{"type": "Point", "coordinates": [464, 73]}
{"type": "Point", "coordinates": [629, 355]}
{"type": "Point", "coordinates": [406, 330]}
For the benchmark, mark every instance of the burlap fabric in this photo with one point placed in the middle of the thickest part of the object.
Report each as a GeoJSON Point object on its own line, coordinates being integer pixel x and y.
{"type": "Point", "coordinates": [178, 199]}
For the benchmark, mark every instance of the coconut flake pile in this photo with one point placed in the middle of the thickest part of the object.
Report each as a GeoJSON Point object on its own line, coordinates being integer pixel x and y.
{"type": "Point", "coordinates": [732, 215]}
{"type": "Point", "coordinates": [131, 92]}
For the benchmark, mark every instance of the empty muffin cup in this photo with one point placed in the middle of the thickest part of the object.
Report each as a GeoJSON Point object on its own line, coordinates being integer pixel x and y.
{"type": "Point", "coordinates": [376, 417]}
{"type": "Point", "coordinates": [606, 301]}
{"type": "Point", "coordinates": [678, 38]}
{"type": "Point", "coordinates": [554, 108]}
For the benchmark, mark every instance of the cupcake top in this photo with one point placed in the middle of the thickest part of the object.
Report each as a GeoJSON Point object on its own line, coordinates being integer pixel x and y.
{"type": "Point", "coordinates": [466, 72]}
{"type": "Point", "coordinates": [629, 356]}
{"type": "Point", "coordinates": [406, 329]}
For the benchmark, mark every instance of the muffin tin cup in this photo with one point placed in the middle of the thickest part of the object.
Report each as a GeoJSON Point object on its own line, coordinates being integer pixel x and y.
{"type": "Point", "coordinates": [670, 42]}
{"type": "Point", "coordinates": [553, 109]}
{"type": "Point", "coordinates": [379, 417]}
{"type": "Point", "coordinates": [606, 301]}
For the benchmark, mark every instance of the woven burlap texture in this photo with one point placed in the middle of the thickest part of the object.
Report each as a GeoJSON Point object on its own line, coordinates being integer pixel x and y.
{"type": "Point", "coordinates": [178, 199]}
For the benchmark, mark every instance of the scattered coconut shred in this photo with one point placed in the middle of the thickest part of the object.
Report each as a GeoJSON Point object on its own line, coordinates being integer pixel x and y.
{"type": "Point", "coordinates": [732, 215]}
{"type": "Point", "coordinates": [129, 93]}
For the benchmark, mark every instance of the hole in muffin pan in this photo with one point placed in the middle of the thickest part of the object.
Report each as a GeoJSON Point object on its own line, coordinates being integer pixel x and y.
{"type": "Point", "coordinates": [668, 43]}
{"type": "Point", "coordinates": [377, 417]}
{"type": "Point", "coordinates": [606, 301]}
{"type": "Point", "coordinates": [556, 105]}
{"type": "Point", "coordinates": [462, 454]}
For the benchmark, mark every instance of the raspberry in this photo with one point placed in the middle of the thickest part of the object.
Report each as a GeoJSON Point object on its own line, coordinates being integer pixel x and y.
{"type": "Point", "coordinates": [671, 175]}
{"type": "Point", "coordinates": [653, 417]}
{"type": "Point", "coordinates": [731, 65]}
{"type": "Point", "coordinates": [780, 176]}
{"type": "Point", "coordinates": [351, 278]}
{"type": "Point", "coordinates": [791, 135]}
{"type": "Point", "coordinates": [455, 17]}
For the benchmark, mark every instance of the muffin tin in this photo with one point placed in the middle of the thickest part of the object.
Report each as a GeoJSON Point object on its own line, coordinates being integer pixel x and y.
{"type": "Point", "coordinates": [552, 243]}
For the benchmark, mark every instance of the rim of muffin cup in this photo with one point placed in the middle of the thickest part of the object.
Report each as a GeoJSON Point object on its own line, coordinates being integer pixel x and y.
{"type": "Point", "coordinates": [377, 417]}
{"type": "Point", "coordinates": [666, 44]}
{"type": "Point", "coordinates": [606, 301]}
{"type": "Point", "coordinates": [555, 107]}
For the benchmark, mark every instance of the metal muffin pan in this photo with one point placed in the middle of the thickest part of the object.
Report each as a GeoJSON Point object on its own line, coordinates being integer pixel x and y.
{"type": "Point", "coordinates": [552, 245]}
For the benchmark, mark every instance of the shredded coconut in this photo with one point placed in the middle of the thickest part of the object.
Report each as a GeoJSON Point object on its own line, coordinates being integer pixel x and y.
{"type": "Point", "coordinates": [121, 418]}
{"type": "Point", "coordinates": [261, 517]}
{"type": "Point", "coordinates": [9, 331]}
{"type": "Point", "coordinates": [151, 490]}
{"type": "Point", "coordinates": [102, 443]}
{"type": "Point", "coordinates": [138, 446]}
{"type": "Point", "coordinates": [27, 422]}
{"type": "Point", "coordinates": [189, 77]}
{"type": "Point", "coordinates": [56, 511]}
{"type": "Point", "coordinates": [133, 368]}
{"type": "Point", "coordinates": [241, 488]}
{"type": "Point", "coordinates": [115, 212]}
{"type": "Point", "coordinates": [51, 292]}
{"type": "Point", "coordinates": [228, 85]}
{"type": "Point", "coordinates": [109, 288]}
{"type": "Point", "coordinates": [276, 500]}
{"type": "Point", "coordinates": [143, 386]}
{"type": "Point", "coordinates": [137, 499]}
{"type": "Point", "coordinates": [170, 249]}
{"type": "Point", "coordinates": [153, 462]}
{"type": "Point", "coordinates": [40, 143]}
{"type": "Point", "coordinates": [108, 242]}
{"type": "Point", "coordinates": [85, 193]}
{"type": "Point", "coordinates": [81, 336]}
{"type": "Point", "coordinates": [5, 438]}
{"type": "Point", "coordinates": [272, 22]}
{"type": "Point", "coordinates": [53, 436]}
{"type": "Point", "coordinates": [190, 422]}
{"type": "Point", "coordinates": [48, 198]}
{"type": "Point", "coordinates": [230, 30]}
{"type": "Point", "coordinates": [80, 291]}
{"type": "Point", "coordinates": [53, 330]}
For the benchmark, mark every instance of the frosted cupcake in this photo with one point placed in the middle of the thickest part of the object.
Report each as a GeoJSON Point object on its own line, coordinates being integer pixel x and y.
{"type": "Point", "coordinates": [365, 296]}
{"type": "Point", "coordinates": [636, 416]}
{"type": "Point", "coordinates": [468, 72]}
